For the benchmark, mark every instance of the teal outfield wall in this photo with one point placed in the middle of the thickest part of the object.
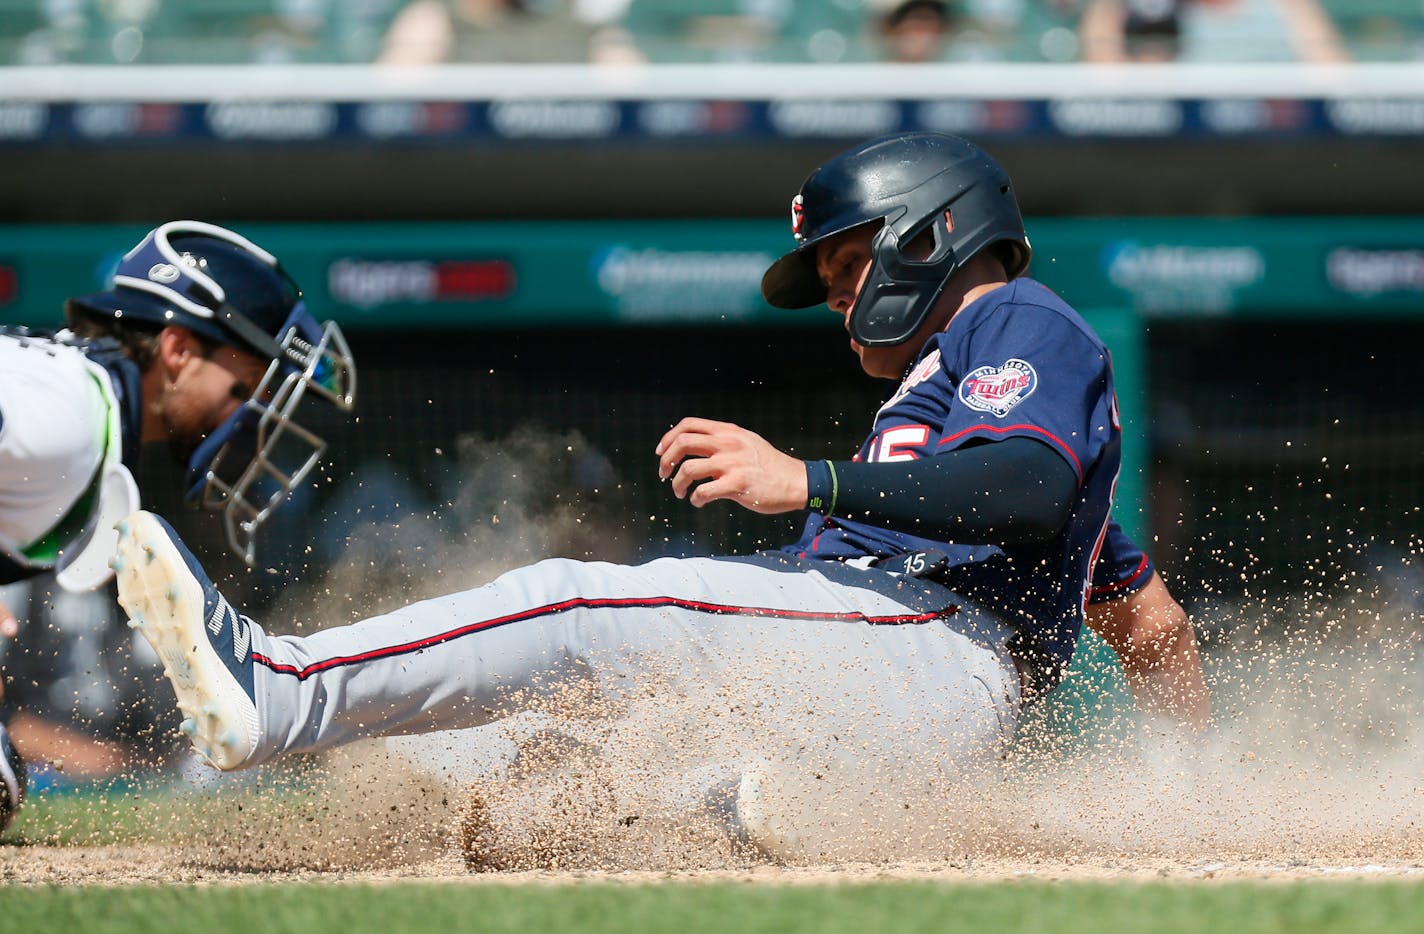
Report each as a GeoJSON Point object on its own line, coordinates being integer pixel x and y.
{"type": "Point", "coordinates": [491, 274]}
{"type": "Point", "coordinates": [1122, 273]}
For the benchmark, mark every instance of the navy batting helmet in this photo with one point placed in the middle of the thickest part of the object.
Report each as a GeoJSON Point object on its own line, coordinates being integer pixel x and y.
{"type": "Point", "coordinates": [227, 289]}
{"type": "Point", "coordinates": [912, 183]}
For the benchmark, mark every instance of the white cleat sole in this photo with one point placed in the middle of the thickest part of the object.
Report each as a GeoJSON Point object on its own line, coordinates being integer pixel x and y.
{"type": "Point", "coordinates": [165, 603]}
{"type": "Point", "coordinates": [739, 803]}
{"type": "Point", "coordinates": [755, 820]}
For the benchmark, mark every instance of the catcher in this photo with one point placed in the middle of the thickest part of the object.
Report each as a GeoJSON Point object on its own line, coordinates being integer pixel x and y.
{"type": "Point", "coordinates": [202, 342]}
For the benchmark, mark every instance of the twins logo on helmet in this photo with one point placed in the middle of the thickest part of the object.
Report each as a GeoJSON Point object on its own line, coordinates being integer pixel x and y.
{"type": "Point", "coordinates": [164, 272]}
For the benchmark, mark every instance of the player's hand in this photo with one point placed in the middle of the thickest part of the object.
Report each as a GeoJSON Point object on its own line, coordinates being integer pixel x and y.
{"type": "Point", "coordinates": [9, 623]}
{"type": "Point", "coordinates": [707, 461]}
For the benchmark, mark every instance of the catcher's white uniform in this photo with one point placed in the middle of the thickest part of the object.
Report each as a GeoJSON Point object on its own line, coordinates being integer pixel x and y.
{"type": "Point", "coordinates": [61, 469]}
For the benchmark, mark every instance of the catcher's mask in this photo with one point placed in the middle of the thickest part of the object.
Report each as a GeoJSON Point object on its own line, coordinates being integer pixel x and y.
{"type": "Point", "coordinates": [227, 289]}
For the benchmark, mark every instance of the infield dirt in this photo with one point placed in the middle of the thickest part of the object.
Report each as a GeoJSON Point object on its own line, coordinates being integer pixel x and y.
{"type": "Point", "coordinates": [1314, 769]}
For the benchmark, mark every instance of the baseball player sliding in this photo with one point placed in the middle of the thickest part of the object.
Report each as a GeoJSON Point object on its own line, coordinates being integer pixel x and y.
{"type": "Point", "coordinates": [940, 584]}
{"type": "Point", "coordinates": [202, 342]}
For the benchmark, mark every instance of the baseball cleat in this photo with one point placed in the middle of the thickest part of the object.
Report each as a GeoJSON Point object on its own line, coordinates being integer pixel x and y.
{"type": "Point", "coordinates": [205, 645]}
{"type": "Point", "coordinates": [740, 805]}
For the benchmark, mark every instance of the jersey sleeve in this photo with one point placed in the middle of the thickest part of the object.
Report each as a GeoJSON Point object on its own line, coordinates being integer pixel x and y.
{"type": "Point", "coordinates": [1121, 569]}
{"type": "Point", "coordinates": [1021, 368]}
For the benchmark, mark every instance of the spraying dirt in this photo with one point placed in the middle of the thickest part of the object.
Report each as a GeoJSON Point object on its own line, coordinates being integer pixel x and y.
{"type": "Point", "coordinates": [1313, 769]}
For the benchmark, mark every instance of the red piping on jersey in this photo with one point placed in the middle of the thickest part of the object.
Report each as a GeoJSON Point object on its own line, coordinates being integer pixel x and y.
{"type": "Point", "coordinates": [1077, 466]}
{"type": "Point", "coordinates": [816, 539]}
{"type": "Point", "coordinates": [1122, 584]}
{"type": "Point", "coordinates": [584, 603]}
{"type": "Point", "coordinates": [1087, 586]}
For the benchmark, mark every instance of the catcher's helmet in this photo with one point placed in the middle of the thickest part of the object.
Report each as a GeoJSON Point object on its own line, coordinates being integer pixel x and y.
{"type": "Point", "coordinates": [225, 288]}
{"type": "Point", "coordinates": [912, 183]}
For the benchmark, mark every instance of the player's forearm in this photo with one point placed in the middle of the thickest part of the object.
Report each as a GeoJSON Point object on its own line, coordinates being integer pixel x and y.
{"type": "Point", "coordinates": [1170, 682]}
{"type": "Point", "coordinates": [1016, 490]}
{"type": "Point", "coordinates": [1157, 647]}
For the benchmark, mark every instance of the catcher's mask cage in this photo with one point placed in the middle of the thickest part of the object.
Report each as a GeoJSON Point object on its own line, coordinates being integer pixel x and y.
{"type": "Point", "coordinates": [910, 184]}
{"type": "Point", "coordinates": [251, 462]}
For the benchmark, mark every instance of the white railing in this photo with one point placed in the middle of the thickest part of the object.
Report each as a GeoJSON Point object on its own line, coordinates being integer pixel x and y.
{"type": "Point", "coordinates": [706, 82]}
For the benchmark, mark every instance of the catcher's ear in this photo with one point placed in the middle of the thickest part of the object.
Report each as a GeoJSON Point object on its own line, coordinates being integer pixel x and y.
{"type": "Point", "coordinates": [176, 346]}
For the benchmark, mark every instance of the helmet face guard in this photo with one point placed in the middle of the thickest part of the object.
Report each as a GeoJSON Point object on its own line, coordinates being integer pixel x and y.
{"type": "Point", "coordinates": [940, 193]}
{"type": "Point", "coordinates": [258, 455]}
{"type": "Point", "coordinates": [251, 463]}
{"type": "Point", "coordinates": [898, 291]}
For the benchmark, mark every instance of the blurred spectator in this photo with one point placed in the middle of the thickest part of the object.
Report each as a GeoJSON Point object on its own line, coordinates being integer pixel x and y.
{"type": "Point", "coordinates": [1132, 31]}
{"type": "Point", "coordinates": [916, 30]}
{"type": "Point", "coordinates": [709, 30]}
{"type": "Point", "coordinates": [1209, 31]}
{"type": "Point", "coordinates": [430, 31]}
{"type": "Point", "coordinates": [755, 30]}
{"type": "Point", "coordinates": [1313, 33]}
{"type": "Point", "coordinates": [926, 31]}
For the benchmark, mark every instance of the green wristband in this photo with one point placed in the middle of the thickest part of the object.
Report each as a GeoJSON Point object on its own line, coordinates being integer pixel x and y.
{"type": "Point", "coordinates": [822, 486]}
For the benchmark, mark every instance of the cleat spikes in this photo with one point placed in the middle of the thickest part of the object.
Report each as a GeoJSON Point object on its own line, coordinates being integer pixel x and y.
{"type": "Point", "coordinates": [170, 601]}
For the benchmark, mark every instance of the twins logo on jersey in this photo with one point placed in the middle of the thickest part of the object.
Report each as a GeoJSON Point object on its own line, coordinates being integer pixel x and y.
{"type": "Point", "coordinates": [996, 389]}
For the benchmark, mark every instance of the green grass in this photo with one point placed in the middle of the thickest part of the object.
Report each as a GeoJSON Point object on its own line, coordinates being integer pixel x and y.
{"type": "Point", "coordinates": [1061, 908]}
{"type": "Point", "coordinates": [121, 815]}
{"type": "Point", "coordinates": [149, 808]}
{"type": "Point", "coordinates": [98, 817]}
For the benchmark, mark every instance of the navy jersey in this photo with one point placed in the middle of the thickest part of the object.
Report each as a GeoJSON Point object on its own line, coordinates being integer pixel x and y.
{"type": "Point", "coordinates": [1017, 362]}
{"type": "Point", "coordinates": [1121, 569]}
